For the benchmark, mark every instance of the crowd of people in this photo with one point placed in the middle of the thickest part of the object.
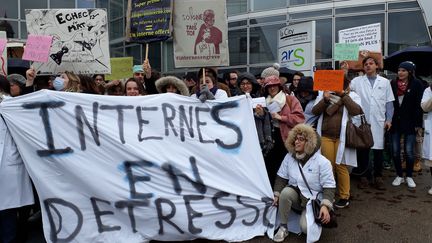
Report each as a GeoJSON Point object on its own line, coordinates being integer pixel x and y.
{"type": "Point", "coordinates": [301, 132]}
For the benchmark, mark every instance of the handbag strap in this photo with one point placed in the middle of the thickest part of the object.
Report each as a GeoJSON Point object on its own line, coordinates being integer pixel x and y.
{"type": "Point", "coordinates": [304, 178]}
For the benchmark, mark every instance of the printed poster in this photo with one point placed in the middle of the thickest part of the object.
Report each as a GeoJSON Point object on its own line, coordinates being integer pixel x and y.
{"type": "Point", "coordinates": [80, 40]}
{"type": "Point", "coordinates": [200, 33]}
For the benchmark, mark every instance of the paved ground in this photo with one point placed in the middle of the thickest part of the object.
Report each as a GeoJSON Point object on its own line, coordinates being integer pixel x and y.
{"type": "Point", "coordinates": [397, 214]}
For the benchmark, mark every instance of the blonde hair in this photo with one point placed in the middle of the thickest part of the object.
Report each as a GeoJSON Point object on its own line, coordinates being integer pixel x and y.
{"type": "Point", "coordinates": [74, 84]}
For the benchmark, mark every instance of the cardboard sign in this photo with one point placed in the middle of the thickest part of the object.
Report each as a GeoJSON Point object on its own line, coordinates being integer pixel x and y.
{"type": "Point", "coordinates": [331, 80]}
{"type": "Point", "coordinates": [3, 54]}
{"type": "Point", "coordinates": [121, 68]}
{"type": "Point", "coordinates": [346, 51]}
{"type": "Point", "coordinates": [37, 48]}
{"type": "Point", "coordinates": [132, 169]}
{"type": "Point", "coordinates": [148, 20]}
{"type": "Point", "coordinates": [80, 40]}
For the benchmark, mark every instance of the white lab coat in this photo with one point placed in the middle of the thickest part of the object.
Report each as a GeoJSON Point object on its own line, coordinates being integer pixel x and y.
{"type": "Point", "coordinates": [15, 186]}
{"type": "Point", "coordinates": [319, 174]}
{"type": "Point", "coordinates": [374, 101]}
{"type": "Point", "coordinates": [347, 156]}
{"type": "Point", "coordinates": [427, 95]}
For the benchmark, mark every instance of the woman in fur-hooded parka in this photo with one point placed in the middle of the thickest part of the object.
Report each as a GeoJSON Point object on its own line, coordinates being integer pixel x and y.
{"type": "Point", "coordinates": [165, 82]}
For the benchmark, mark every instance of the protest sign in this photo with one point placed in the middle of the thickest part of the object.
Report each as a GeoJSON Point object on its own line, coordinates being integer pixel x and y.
{"type": "Point", "coordinates": [80, 40]}
{"type": "Point", "coordinates": [37, 48]}
{"type": "Point", "coordinates": [3, 42]}
{"type": "Point", "coordinates": [346, 51]}
{"type": "Point", "coordinates": [296, 47]}
{"type": "Point", "coordinates": [201, 33]}
{"type": "Point", "coordinates": [121, 67]}
{"type": "Point", "coordinates": [148, 20]}
{"type": "Point", "coordinates": [3, 54]}
{"type": "Point", "coordinates": [128, 169]}
{"type": "Point", "coordinates": [369, 39]}
{"type": "Point", "coordinates": [331, 80]}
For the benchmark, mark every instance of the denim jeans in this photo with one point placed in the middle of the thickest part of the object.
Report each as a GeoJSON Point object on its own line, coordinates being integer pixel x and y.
{"type": "Point", "coordinates": [409, 143]}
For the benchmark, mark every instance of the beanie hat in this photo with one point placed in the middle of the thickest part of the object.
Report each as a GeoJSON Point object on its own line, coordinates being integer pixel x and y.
{"type": "Point", "coordinates": [271, 71]}
{"type": "Point", "coordinates": [17, 78]}
{"type": "Point", "coordinates": [179, 84]}
{"type": "Point", "coordinates": [247, 76]}
{"type": "Point", "coordinates": [408, 65]}
{"type": "Point", "coordinates": [137, 69]}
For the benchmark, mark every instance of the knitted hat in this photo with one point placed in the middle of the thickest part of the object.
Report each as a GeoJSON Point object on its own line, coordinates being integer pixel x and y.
{"type": "Point", "coordinates": [408, 65]}
{"type": "Point", "coordinates": [137, 69]}
{"type": "Point", "coordinates": [164, 81]}
{"type": "Point", "coordinates": [271, 71]}
{"type": "Point", "coordinates": [16, 78]}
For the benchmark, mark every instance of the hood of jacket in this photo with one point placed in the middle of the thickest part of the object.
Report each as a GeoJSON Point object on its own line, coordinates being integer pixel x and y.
{"type": "Point", "coordinates": [313, 142]}
{"type": "Point", "coordinates": [179, 84]}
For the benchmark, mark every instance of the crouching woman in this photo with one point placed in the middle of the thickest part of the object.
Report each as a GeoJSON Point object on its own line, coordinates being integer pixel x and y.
{"type": "Point", "coordinates": [291, 190]}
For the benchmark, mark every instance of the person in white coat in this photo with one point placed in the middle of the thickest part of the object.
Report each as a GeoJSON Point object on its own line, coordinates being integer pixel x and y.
{"type": "Point", "coordinates": [15, 186]}
{"type": "Point", "coordinates": [334, 109]}
{"type": "Point", "coordinates": [426, 104]}
{"type": "Point", "coordinates": [377, 103]}
{"type": "Point", "coordinates": [290, 189]}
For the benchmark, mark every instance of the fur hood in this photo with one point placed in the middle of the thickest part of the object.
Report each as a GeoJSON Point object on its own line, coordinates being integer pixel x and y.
{"type": "Point", "coordinates": [313, 142]}
{"type": "Point", "coordinates": [179, 84]}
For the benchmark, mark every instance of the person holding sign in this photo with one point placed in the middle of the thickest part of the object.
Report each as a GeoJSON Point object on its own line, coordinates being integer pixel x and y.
{"type": "Point", "coordinates": [377, 103]}
{"type": "Point", "coordinates": [208, 89]}
{"type": "Point", "coordinates": [303, 168]}
{"type": "Point", "coordinates": [286, 112]}
{"type": "Point", "coordinates": [334, 109]}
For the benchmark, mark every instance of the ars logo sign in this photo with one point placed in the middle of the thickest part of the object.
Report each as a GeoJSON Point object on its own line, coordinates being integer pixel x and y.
{"type": "Point", "coordinates": [294, 56]}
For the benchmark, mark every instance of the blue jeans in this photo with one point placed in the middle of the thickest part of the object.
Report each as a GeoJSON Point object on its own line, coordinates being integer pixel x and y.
{"type": "Point", "coordinates": [409, 143]}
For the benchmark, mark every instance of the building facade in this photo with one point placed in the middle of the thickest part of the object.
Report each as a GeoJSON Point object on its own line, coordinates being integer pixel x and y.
{"type": "Point", "coordinates": [253, 26]}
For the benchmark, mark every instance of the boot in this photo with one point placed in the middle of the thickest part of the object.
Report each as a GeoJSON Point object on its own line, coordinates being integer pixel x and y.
{"type": "Point", "coordinates": [379, 183]}
{"type": "Point", "coordinates": [417, 166]}
{"type": "Point", "coordinates": [364, 183]}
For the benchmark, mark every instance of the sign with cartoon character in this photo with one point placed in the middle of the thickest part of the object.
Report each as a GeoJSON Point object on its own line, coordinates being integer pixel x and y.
{"type": "Point", "coordinates": [200, 33]}
{"type": "Point", "coordinates": [80, 39]}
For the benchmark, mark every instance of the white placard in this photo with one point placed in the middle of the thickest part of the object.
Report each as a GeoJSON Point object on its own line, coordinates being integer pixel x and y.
{"type": "Point", "coordinates": [127, 169]}
{"type": "Point", "coordinates": [367, 36]}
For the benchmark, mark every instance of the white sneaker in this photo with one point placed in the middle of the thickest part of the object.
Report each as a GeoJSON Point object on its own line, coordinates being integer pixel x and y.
{"type": "Point", "coordinates": [398, 180]}
{"type": "Point", "coordinates": [430, 191]}
{"type": "Point", "coordinates": [410, 182]}
{"type": "Point", "coordinates": [281, 234]}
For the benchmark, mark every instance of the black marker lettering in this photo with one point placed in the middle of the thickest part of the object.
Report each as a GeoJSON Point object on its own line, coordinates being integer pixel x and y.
{"type": "Point", "coordinates": [169, 119]}
{"type": "Point", "coordinates": [158, 202]}
{"type": "Point", "coordinates": [119, 109]}
{"type": "Point", "coordinates": [215, 115]}
{"type": "Point", "coordinates": [199, 124]}
{"type": "Point", "coordinates": [192, 213]}
{"type": "Point", "coordinates": [142, 122]}
{"type": "Point", "coordinates": [80, 116]}
{"type": "Point", "coordinates": [183, 121]}
{"type": "Point", "coordinates": [49, 204]}
{"type": "Point", "coordinates": [101, 227]}
{"type": "Point", "coordinates": [252, 207]}
{"type": "Point", "coordinates": [230, 210]}
{"type": "Point", "coordinates": [268, 202]}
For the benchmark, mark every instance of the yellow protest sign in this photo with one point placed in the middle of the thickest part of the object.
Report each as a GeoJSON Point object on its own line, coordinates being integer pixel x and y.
{"type": "Point", "coordinates": [121, 67]}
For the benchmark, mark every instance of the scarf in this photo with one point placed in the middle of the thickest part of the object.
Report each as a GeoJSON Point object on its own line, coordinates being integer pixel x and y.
{"type": "Point", "coordinates": [280, 99]}
{"type": "Point", "coordinates": [401, 87]}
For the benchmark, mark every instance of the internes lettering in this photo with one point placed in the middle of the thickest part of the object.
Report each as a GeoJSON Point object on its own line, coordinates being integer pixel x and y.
{"type": "Point", "coordinates": [119, 109]}
{"type": "Point", "coordinates": [80, 116]}
{"type": "Point", "coordinates": [50, 204]}
{"type": "Point", "coordinates": [215, 112]}
{"type": "Point", "coordinates": [142, 122]}
{"type": "Point", "coordinates": [200, 123]}
{"type": "Point", "coordinates": [43, 112]}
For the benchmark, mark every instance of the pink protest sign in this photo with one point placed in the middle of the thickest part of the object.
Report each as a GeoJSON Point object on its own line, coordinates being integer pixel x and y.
{"type": "Point", "coordinates": [3, 43]}
{"type": "Point", "coordinates": [37, 48]}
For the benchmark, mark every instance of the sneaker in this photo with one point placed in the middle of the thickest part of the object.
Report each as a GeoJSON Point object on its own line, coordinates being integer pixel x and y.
{"type": "Point", "coordinates": [430, 191]}
{"type": "Point", "coordinates": [410, 182]}
{"type": "Point", "coordinates": [398, 180]}
{"type": "Point", "coordinates": [342, 203]}
{"type": "Point", "coordinates": [281, 234]}
{"type": "Point", "coordinates": [364, 183]}
{"type": "Point", "coordinates": [379, 183]}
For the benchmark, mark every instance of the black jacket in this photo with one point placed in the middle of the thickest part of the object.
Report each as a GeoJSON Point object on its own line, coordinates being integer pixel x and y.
{"type": "Point", "coordinates": [408, 115]}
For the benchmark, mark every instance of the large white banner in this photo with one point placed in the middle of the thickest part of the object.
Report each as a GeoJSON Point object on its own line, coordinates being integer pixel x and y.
{"type": "Point", "coordinates": [200, 33]}
{"type": "Point", "coordinates": [80, 39]}
{"type": "Point", "coordinates": [128, 169]}
{"type": "Point", "coordinates": [296, 47]}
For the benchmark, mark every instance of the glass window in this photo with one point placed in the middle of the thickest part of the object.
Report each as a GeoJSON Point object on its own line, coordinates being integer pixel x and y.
{"type": "Point", "coordinates": [117, 52]}
{"type": "Point", "coordinates": [62, 4]}
{"type": "Point", "coordinates": [116, 9]}
{"type": "Point", "coordinates": [9, 9]}
{"type": "Point", "coordinates": [312, 14]}
{"type": "Point", "coordinates": [297, 2]}
{"type": "Point", "coordinates": [86, 3]}
{"type": "Point", "coordinates": [116, 29]}
{"type": "Point", "coordinates": [258, 70]}
{"type": "Point", "coordinates": [258, 5]}
{"type": "Point", "coordinates": [263, 43]}
{"type": "Point", "coordinates": [354, 21]}
{"type": "Point", "coordinates": [323, 65]}
{"type": "Point", "coordinates": [237, 42]}
{"type": "Point", "coordinates": [236, 6]}
{"type": "Point", "coordinates": [268, 19]}
{"type": "Point", "coordinates": [169, 55]}
{"type": "Point", "coordinates": [135, 52]}
{"type": "Point", "coordinates": [323, 43]}
{"type": "Point", "coordinates": [11, 28]}
{"type": "Point", "coordinates": [237, 24]}
{"type": "Point", "coordinates": [102, 4]}
{"type": "Point", "coordinates": [413, 27]}
{"type": "Point", "coordinates": [32, 4]}
{"type": "Point", "coordinates": [23, 30]}
{"type": "Point", "coordinates": [403, 5]}
{"type": "Point", "coordinates": [369, 8]}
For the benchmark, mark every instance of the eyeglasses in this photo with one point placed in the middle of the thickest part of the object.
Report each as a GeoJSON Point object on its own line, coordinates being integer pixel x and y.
{"type": "Point", "coordinates": [300, 139]}
{"type": "Point", "coordinates": [245, 83]}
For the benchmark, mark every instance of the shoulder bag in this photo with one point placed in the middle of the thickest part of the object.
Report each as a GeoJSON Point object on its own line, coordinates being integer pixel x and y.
{"type": "Point", "coordinates": [358, 137]}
